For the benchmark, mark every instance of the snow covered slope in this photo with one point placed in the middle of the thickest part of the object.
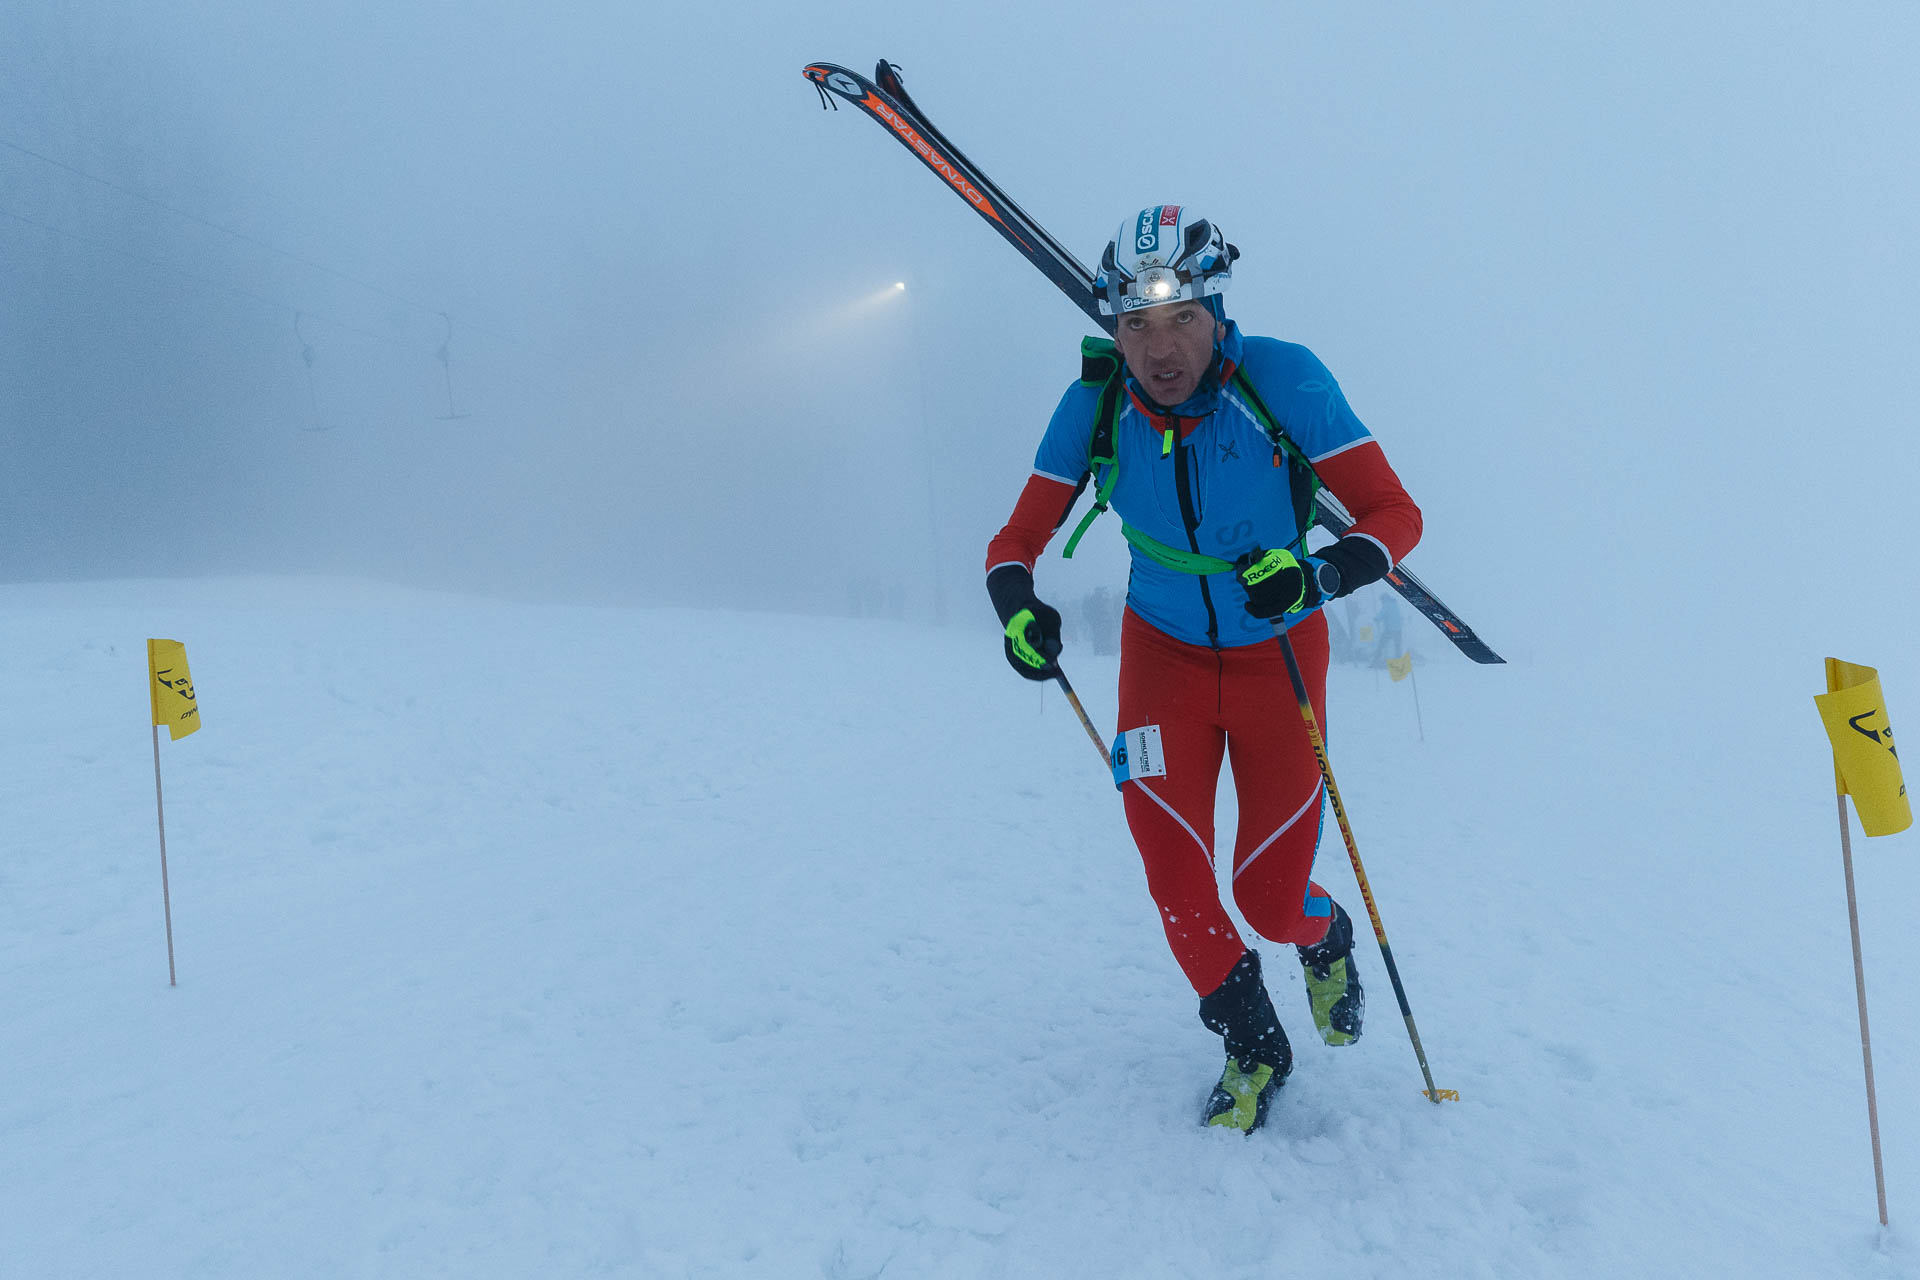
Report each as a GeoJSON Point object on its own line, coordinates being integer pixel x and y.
{"type": "Point", "coordinates": [547, 941]}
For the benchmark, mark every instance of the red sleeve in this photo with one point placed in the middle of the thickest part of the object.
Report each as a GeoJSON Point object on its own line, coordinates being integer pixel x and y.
{"type": "Point", "coordinates": [1042, 508]}
{"type": "Point", "coordinates": [1363, 480]}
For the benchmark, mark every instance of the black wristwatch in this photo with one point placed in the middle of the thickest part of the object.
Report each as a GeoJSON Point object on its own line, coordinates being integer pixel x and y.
{"type": "Point", "coordinates": [1325, 576]}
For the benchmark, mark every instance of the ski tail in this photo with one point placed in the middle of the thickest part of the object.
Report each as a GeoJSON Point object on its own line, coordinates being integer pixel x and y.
{"type": "Point", "coordinates": [1336, 519]}
{"type": "Point", "coordinates": [1416, 593]}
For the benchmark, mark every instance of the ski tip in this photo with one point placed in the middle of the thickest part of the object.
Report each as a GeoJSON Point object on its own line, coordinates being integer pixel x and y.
{"type": "Point", "coordinates": [1438, 1096]}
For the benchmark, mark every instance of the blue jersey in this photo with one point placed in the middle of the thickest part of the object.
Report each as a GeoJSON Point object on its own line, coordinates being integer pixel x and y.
{"type": "Point", "coordinates": [1217, 491]}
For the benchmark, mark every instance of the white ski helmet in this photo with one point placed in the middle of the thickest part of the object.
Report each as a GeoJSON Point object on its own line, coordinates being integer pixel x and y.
{"type": "Point", "coordinates": [1163, 254]}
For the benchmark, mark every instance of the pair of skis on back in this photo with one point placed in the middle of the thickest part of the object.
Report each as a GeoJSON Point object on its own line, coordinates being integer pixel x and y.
{"type": "Point", "coordinates": [885, 99]}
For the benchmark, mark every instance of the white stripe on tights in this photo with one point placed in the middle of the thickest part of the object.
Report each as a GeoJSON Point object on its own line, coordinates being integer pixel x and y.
{"type": "Point", "coordinates": [1313, 802]}
{"type": "Point", "coordinates": [1148, 791]}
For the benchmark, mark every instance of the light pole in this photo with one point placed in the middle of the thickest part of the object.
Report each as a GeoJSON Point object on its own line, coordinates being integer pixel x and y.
{"type": "Point", "coordinates": [937, 576]}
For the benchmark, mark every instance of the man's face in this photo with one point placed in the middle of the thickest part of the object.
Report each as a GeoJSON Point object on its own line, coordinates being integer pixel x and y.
{"type": "Point", "coordinates": [1169, 348]}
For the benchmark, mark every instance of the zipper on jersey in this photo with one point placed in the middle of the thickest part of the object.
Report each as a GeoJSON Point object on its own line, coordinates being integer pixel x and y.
{"type": "Point", "coordinates": [1190, 516]}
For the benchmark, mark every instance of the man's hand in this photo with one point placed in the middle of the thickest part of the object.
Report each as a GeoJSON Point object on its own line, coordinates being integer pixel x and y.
{"type": "Point", "coordinates": [1033, 641]}
{"type": "Point", "coordinates": [1277, 583]}
{"type": "Point", "coordinates": [1032, 627]}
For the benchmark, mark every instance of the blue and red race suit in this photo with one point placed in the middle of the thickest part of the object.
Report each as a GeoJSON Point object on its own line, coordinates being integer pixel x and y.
{"type": "Point", "coordinates": [1192, 660]}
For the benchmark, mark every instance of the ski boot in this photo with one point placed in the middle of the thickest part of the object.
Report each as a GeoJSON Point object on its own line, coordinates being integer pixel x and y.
{"type": "Point", "coordinates": [1333, 984]}
{"type": "Point", "coordinates": [1241, 1098]}
{"type": "Point", "coordinates": [1258, 1055]}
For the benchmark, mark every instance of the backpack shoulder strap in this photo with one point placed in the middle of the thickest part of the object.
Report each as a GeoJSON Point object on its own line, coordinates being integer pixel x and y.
{"type": "Point", "coordinates": [1100, 367]}
{"type": "Point", "coordinates": [1099, 361]}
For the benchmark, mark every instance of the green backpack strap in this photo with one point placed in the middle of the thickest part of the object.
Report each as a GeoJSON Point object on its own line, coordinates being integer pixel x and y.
{"type": "Point", "coordinates": [1194, 562]}
{"type": "Point", "coordinates": [1099, 367]}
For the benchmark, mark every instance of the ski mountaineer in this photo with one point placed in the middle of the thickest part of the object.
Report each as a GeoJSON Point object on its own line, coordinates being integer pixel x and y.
{"type": "Point", "coordinates": [1211, 444]}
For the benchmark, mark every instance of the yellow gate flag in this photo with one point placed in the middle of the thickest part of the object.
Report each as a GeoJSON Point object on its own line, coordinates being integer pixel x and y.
{"type": "Point", "coordinates": [1864, 761]}
{"type": "Point", "coordinates": [170, 685]}
{"type": "Point", "coordinates": [1401, 667]}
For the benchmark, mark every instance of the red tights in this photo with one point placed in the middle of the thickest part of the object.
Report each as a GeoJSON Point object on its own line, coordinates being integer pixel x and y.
{"type": "Point", "coordinates": [1236, 702]}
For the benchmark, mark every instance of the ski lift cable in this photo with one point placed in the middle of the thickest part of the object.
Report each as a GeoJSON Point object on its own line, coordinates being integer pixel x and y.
{"type": "Point", "coordinates": [270, 248]}
{"type": "Point", "coordinates": [299, 313]}
{"type": "Point", "coordinates": [217, 285]}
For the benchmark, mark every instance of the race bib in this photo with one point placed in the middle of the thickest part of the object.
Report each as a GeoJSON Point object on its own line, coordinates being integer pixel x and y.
{"type": "Point", "coordinates": [1136, 754]}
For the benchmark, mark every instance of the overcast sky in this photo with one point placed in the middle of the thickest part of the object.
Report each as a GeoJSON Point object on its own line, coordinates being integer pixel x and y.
{"type": "Point", "coordinates": [1628, 295]}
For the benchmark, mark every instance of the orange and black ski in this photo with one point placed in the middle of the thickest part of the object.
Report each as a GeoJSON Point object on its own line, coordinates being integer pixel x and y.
{"type": "Point", "coordinates": [885, 99]}
{"type": "Point", "coordinates": [888, 103]}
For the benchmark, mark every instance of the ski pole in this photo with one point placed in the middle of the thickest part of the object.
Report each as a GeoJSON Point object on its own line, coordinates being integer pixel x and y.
{"type": "Point", "coordinates": [1353, 854]}
{"type": "Point", "coordinates": [1085, 723]}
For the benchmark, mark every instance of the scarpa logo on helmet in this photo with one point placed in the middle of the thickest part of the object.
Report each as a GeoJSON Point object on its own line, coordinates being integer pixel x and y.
{"type": "Point", "coordinates": [1146, 232]}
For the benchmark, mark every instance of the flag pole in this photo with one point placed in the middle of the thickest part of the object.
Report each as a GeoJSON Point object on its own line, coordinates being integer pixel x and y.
{"type": "Point", "coordinates": [1413, 674]}
{"type": "Point", "coordinates": [1860, 989]}
{"type": "Point", "coordinates": [166, 897]}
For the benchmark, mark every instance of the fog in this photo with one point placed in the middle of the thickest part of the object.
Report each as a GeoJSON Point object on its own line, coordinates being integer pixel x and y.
{"type": "Point", "coordinates": [1627, 294]}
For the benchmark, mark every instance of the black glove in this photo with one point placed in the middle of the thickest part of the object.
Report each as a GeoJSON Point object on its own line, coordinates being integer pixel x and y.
{"type": "Point", "coordinates": [1277, 584]}
{"type": "Point", "coordinates": [1281, 584]}
{"type": "Point", "coordinates": [1357, 560]}
{"type": "Point", "coordinates": [1032, 627]}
